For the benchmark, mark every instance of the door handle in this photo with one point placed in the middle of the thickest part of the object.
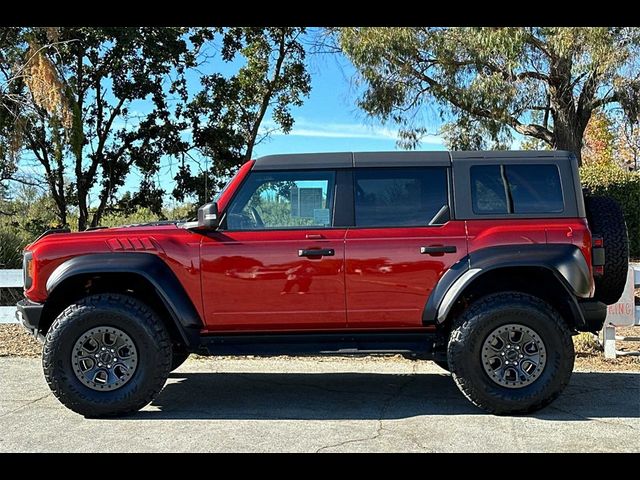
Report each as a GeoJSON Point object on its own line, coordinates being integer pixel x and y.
{"type": "Point", "coordinates": [438, 249]}
{"type": "Point", "coordinates": [318, 252]}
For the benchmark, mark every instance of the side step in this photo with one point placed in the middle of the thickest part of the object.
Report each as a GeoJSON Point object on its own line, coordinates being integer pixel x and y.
{"type": "Point", "coordinates": [377, 343]}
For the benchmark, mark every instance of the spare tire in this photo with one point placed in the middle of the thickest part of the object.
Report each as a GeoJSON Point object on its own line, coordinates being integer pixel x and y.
{"type": "Point", "coordinates": [606, 219]}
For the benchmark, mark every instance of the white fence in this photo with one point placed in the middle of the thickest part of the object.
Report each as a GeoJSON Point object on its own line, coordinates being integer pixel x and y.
{"type": "Point", "coordinates": [13, 279]}
{"type": "Point", "coordinates": [9, 279]}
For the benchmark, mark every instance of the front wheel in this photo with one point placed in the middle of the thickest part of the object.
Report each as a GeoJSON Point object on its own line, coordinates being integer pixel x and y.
{"type": "Point", "coordinates": [106, 354]}
{"type": "Point", "coordinates": [511, 353]}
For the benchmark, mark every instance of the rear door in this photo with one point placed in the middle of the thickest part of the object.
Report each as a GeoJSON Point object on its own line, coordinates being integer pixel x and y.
{"type": "Point", "coordinates": [403, 241]}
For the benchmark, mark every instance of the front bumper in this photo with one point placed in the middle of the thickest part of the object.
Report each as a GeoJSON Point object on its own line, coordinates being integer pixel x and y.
{"type": "Point", "coordinates": [28, 314]}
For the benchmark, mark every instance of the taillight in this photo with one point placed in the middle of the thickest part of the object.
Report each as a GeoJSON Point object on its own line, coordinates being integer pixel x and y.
{"type": "Point", "coordinates": [27, 269]}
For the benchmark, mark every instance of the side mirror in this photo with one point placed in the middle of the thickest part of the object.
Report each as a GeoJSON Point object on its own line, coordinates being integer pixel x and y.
{"type": "Point", "coordinates": [208, 218]}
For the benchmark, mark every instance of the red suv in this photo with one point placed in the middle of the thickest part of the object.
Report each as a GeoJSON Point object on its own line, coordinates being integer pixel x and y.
{"type": "Point", "coordinates": [485, 262]}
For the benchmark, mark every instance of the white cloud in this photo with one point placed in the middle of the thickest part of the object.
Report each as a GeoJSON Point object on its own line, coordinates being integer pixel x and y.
{"type": "Point", "coordinates": [304, 128]}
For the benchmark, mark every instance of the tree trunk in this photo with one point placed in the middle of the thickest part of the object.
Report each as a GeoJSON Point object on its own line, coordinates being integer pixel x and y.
{"type": "Point", "coordinates": [83, 211]}
{"type": "Point", "coordinates": [568, 139]}
{"type": "Point", "coordinates": [568, 127]}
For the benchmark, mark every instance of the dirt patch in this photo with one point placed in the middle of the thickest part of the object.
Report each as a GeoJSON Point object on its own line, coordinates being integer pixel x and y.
{"type": "Point", "coordinates": [15, 341]}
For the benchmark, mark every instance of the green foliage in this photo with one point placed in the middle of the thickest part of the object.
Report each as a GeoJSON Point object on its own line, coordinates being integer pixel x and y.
{"type": "Point", "coordinates": [30, 215]}
{"type": "Point", "coordinates": [542, 82]}
{"type": "Point", "coordinates": [611, 180]}
{"type": "Point", "coordinates": [117, 219]}
{"type": "Point", "coordinates": [102, 72]}
{"type": "Point", "coordinates": [11, 246]}
{"type": "Point", "coordinates": [227, 115]}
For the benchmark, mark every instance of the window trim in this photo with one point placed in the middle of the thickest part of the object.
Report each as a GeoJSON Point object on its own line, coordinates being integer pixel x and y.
{"type": "Point", "coordinates": [462, 186]}
{"type": "Point", "coordinates": [449, 186]}
{"type": "Point", "coordinates": [223, 222]}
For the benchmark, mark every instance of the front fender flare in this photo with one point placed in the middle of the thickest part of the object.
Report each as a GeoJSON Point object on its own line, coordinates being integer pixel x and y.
{"type": "Point", "coordinates": [149, 266]}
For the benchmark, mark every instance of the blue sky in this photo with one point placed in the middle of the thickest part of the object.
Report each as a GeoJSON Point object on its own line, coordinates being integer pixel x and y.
{"type": "Point", "coordinates": [328, 121]}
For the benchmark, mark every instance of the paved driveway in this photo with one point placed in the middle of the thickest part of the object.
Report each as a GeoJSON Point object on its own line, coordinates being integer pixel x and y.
{"type": "Point", "coordinates": [310, 405]}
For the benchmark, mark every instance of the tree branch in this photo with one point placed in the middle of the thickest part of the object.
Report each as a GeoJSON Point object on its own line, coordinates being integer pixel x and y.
{"type": "Point", "coordinates": [454, 97]}
{"type": "Point", "coordinates": [585, 100]}
{"type": "Point", "coordinates": [282, 53]}
{"type": "Point", "coordinates": [609, 98]}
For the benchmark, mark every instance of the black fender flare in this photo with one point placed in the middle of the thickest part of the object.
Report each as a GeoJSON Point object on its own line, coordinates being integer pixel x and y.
{"type": "Point", "coordinates": [149, 266]}
{"type": "Point", "coordinates": [564, 261]}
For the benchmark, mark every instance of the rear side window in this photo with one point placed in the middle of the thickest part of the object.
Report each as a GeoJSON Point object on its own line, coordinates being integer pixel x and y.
{"type": "Point", "coordinates": [517, 189]}
{"type": "Point", "coordinates": [387, 197]}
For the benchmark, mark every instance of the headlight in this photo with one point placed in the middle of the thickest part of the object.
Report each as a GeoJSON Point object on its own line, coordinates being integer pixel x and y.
{"type": "Point", "coordinates": [27, 269]}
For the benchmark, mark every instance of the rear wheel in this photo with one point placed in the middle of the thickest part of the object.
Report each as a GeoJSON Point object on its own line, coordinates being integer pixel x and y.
{"type": "Point", "coordinates": [106, 354]}
{"type": "Point", "coordinates": [607, 220]}
{"type": "Point", "coordinates": [511, 353]}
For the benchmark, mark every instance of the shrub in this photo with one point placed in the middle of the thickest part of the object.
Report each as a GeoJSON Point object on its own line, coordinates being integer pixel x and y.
{"type": "Point", "coordinates": [11, 245]}
{"type": "Point", "coordinates": [142, 215]}
{"type": "Point", "coordinates": [609, 179]}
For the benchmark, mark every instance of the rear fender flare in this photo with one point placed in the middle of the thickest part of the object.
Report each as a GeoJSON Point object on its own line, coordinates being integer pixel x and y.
{"type": "Point", "coordinates": [564, 261]}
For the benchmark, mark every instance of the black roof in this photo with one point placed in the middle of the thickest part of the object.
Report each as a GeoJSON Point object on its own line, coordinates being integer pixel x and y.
{"type": "Point", "coordinates": [395, 159]}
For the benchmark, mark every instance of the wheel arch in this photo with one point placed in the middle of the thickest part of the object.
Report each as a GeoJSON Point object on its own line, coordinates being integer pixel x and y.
{"type": "Point", "coordinates": [142, 275]}
{"type": "Point", "coordinates": [557, 273]}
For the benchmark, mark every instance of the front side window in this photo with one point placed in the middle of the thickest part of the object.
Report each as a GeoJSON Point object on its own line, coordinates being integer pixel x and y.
{"type": "Point", "coordinates": [516, 189]}
{"type": "Point", "coordinates": [386, 197]}
{"type": "Point", "coordinates": [277, 200]}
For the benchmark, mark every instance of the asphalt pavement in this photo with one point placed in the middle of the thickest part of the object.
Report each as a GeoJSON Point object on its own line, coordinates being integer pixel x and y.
{"type": "Point", "coordinates": [319, 405]}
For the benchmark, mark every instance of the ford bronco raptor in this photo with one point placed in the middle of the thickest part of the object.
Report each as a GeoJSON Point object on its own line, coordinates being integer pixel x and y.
{"type": "Point", "coordinates": [484, 262]}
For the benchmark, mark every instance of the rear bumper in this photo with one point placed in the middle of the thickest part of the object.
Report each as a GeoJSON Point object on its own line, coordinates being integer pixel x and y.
{"type": "Point", "coordinates": [594, 314]}
{"type": "Point", "coordinates": [28, 314]}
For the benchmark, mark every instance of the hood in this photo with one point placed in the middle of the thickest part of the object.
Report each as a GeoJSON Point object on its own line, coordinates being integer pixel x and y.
{"type": "Point", "coordinates": [139, 228]}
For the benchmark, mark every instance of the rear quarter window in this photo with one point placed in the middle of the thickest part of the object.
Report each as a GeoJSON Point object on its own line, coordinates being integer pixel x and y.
{"type": "Point", "coordinates": [516, 189]}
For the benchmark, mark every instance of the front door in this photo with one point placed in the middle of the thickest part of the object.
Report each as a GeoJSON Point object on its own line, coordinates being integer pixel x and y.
{"type": "Point", "coordinates": [277, 262]}
{"type": "Point", "coordinates": [402, 243]}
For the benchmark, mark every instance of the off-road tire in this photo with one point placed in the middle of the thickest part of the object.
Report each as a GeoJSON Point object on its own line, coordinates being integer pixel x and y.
{"type": "Point", "coordinates": [475, 324]}
{"type": "Point", "coordinates": [127, 314]}
{"type": "Point", "coordinates": [606, 219]}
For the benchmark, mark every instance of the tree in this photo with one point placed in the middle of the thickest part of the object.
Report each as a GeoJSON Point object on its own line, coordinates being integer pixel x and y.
{"type": "Point", "coordinates": [610, 139]}
{"type": "Point", "coordinates": [627, 145]}
{"type": "Point", "coordinates": [543, 83]}
{"type": "Point", "coordinates": [598, 145]}
{"type": "Point", "coordinates": [85, 132]}
{"type": "Point", "coordinates": [227, 116]}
